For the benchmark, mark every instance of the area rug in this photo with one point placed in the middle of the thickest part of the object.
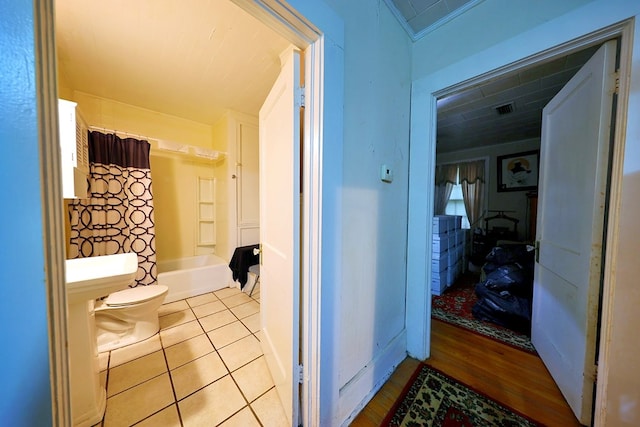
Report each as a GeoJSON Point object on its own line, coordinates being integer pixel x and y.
{"type": "Point", "coordinates": [454, 307]}
{"type": "Point", "coordinates": [432, 398]}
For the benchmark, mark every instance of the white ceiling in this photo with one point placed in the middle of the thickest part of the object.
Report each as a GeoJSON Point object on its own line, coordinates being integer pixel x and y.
{"type": "Point", "coordinates": [419, 17]}
{"type": "Point", "coordinates": [196, 62]}
{"type": "Point", "coordinates": [191, 61]}
{"type": "Point", "coordinates": [469, 118]}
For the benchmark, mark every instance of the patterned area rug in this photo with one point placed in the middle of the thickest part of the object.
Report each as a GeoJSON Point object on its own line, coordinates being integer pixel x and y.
{"type": "Point", "coordinates": [432, 398]}
{"type": "Point", "coordinates": [454, 307]}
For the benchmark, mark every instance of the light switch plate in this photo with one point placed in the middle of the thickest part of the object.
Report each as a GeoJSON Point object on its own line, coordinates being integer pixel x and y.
{"type": "Point", "coordinates": [386, 174]}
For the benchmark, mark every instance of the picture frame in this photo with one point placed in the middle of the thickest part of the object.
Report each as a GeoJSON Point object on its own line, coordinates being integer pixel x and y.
{"type": "Point", "coordinates": [518, 171]}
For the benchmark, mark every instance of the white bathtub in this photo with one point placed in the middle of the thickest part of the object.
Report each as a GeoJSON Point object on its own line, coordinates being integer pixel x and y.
{"type": "Point", "coordinates": [188, 277]}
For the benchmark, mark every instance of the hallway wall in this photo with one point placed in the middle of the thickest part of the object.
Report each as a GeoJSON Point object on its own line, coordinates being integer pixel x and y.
{"type": "Point", "coordinates": [373, 242]}
{"type": "Point", "coordinates": [26, 368]}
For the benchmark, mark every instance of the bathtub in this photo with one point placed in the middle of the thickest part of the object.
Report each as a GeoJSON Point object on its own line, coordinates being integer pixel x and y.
{"type": "Point", "coordinates": [188, 277]}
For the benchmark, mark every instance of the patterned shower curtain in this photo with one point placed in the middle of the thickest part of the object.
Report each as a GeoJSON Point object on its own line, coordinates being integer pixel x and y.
{"type": "Point", "coordinates": [118, 215]}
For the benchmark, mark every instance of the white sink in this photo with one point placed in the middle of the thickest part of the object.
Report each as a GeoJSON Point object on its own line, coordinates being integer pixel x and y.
{"type": "Point", "coordinates": [88, 279]}
{"type": "Point", "coordinates": [96, 277]}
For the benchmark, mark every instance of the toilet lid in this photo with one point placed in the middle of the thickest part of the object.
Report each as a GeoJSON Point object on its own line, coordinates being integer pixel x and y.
{"type": "Point", "coordinates": [135, 295]}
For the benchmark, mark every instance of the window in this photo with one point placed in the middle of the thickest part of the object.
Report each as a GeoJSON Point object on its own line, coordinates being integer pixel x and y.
{"type": "Point", "coordinates": [455, 205]}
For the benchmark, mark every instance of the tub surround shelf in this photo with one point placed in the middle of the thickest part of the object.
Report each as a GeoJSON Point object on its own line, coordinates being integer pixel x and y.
{"type": "Point", "coordinates": [206, 209]}
{"type": "Point", "coordinates": [190, 150]}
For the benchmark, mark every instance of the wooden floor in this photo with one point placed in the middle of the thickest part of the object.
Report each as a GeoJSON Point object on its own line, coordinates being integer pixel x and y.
{"type": "Point", "coordinates": [513, 377]}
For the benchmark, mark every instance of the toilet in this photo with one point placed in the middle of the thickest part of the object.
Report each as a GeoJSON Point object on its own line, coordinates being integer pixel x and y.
{"type": "Point", "coordinates": [128, 316]}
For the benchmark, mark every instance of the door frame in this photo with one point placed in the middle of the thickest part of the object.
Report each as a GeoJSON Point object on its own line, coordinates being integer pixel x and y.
{"type": "Point", "coordinates": [303, 35]}
{"type": "Point", "coordinates": [422, 158]}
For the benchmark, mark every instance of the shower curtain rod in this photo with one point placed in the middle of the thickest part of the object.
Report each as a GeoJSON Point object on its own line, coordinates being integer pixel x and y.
{"type": "Point", "coordinates": [133, 135]}
{"type": "Point", "coordinates": [176, 147]}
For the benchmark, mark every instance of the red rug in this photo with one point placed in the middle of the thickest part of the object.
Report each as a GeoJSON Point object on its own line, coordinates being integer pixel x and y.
{"type": "Point", "coordinates": [454, 307]}
{"type": "Point", "coordinates": [432, 398]}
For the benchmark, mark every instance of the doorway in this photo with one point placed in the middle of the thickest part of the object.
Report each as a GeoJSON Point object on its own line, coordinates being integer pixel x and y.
{"type": "Point", "coordinates": [427, 94]}
{"type": "Point", "coordinates": [472, 127]}
{"type": "Point", "coordinates": [298, 29]}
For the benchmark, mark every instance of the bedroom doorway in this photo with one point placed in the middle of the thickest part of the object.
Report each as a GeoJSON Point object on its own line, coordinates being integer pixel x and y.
{"type": "Point", "coordinates": [580, 401]}
{"type": "Point", "coordinates": [505, 215]}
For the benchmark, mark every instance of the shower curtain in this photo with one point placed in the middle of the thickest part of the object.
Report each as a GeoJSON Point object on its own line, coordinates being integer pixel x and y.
{"type": "Point", "coordinates": [118, 215]}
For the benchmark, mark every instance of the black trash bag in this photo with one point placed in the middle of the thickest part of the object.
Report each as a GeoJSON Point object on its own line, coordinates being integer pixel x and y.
{"type": "Point", "coordinates": [512, 278]}
{"type": "Point", "coordinates": [489, 267]}
{"type": "Point", "coordinates": [509, 254]}
{"type": "Point", "coordinates": [503, 308]}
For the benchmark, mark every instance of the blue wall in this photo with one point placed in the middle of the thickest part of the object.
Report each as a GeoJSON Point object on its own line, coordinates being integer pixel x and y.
{"type": "Point", "coordinates": [25, 394]}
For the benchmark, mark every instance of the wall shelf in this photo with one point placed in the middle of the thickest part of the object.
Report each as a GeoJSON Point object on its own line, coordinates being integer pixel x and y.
{"type": "Point", "coordinates": [206, 211]}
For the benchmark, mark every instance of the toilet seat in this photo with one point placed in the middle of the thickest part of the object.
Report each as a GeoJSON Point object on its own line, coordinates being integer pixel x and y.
{"type": "Point", "coordinates": [135, 295]}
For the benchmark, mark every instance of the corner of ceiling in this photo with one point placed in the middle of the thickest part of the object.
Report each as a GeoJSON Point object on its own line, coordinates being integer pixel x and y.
{"type": "Point", "coordinates": [401, 19]}
{"type": "Point", "coordinates": [415, 36]}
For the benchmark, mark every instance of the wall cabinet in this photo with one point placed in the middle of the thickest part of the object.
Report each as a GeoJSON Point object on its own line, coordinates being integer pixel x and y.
{"type": "Point", "coordinates": [74, 150]}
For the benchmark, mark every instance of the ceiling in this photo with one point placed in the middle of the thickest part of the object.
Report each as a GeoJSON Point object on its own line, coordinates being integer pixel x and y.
{"type": "Point", "coordinates": [192, 62]}
{"type": "Point", "coordinates": [200, 61]}
{"type": "Point", "coordinates": [471, 118]}
{"type": "Point", "coordinates": [419, 17]}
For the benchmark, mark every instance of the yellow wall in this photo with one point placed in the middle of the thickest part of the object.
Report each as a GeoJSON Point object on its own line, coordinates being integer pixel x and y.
{"type": "Point", "coordinates": [64, 89]}
{"type": "Point", "coordinates": [174, 175]}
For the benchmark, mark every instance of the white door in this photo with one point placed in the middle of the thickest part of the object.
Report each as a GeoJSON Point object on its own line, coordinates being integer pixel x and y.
{"type": "Point", "coordinates": [280, 232]}
{"type": "Point", "coordinates": [576, 128]}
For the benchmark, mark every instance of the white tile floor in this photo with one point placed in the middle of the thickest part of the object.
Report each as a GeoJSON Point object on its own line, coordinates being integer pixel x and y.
{"type": "Point", "coordinates": [204, 368]}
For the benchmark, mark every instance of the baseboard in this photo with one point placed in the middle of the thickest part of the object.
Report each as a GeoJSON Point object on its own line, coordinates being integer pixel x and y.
{"type": "Point", "coordinates": [358, 391]}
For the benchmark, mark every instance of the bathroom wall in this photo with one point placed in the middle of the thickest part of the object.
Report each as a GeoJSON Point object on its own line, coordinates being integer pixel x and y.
{"type": "Point", "coordinates": [174, 175]}
{"type": "Point", "coordinates": [237, 220]}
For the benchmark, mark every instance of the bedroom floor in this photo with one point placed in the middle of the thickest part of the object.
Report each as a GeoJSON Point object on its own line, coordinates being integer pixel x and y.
{"type": "Point", "coordinates": [204, 367]}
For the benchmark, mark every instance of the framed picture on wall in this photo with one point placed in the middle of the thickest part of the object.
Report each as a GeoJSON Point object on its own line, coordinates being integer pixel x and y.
{"type": "Point", "coordinates": [519, 171]}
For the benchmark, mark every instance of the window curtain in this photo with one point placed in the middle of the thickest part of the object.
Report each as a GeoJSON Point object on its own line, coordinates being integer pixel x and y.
{"type": "Point", "coordinates": [472, 181]}
{"type": "Point", "coordinates": [117, 216]}
{"type": "Point", "coordinates": [445, 180]}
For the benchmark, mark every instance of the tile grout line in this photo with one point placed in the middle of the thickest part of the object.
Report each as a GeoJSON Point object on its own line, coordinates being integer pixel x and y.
{"type": "Point", "coordinates": [173, 388]}
{"type": "Point", "coordinates": [215, 349]}
{"type": "Point", "coordinates": [248, 404]}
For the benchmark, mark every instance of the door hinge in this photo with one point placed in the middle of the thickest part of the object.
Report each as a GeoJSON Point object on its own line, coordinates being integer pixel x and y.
{"type": "Point", "coordinates": [300, 374]}
{"type": "Point", "coordinates": [595, 373]}
{"type": "Point", "coordinates": [617, 87]}
{"type": "Point", "coordinates": [300, 96]}
{"type": "Point", "coordinates": [537, 249]}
